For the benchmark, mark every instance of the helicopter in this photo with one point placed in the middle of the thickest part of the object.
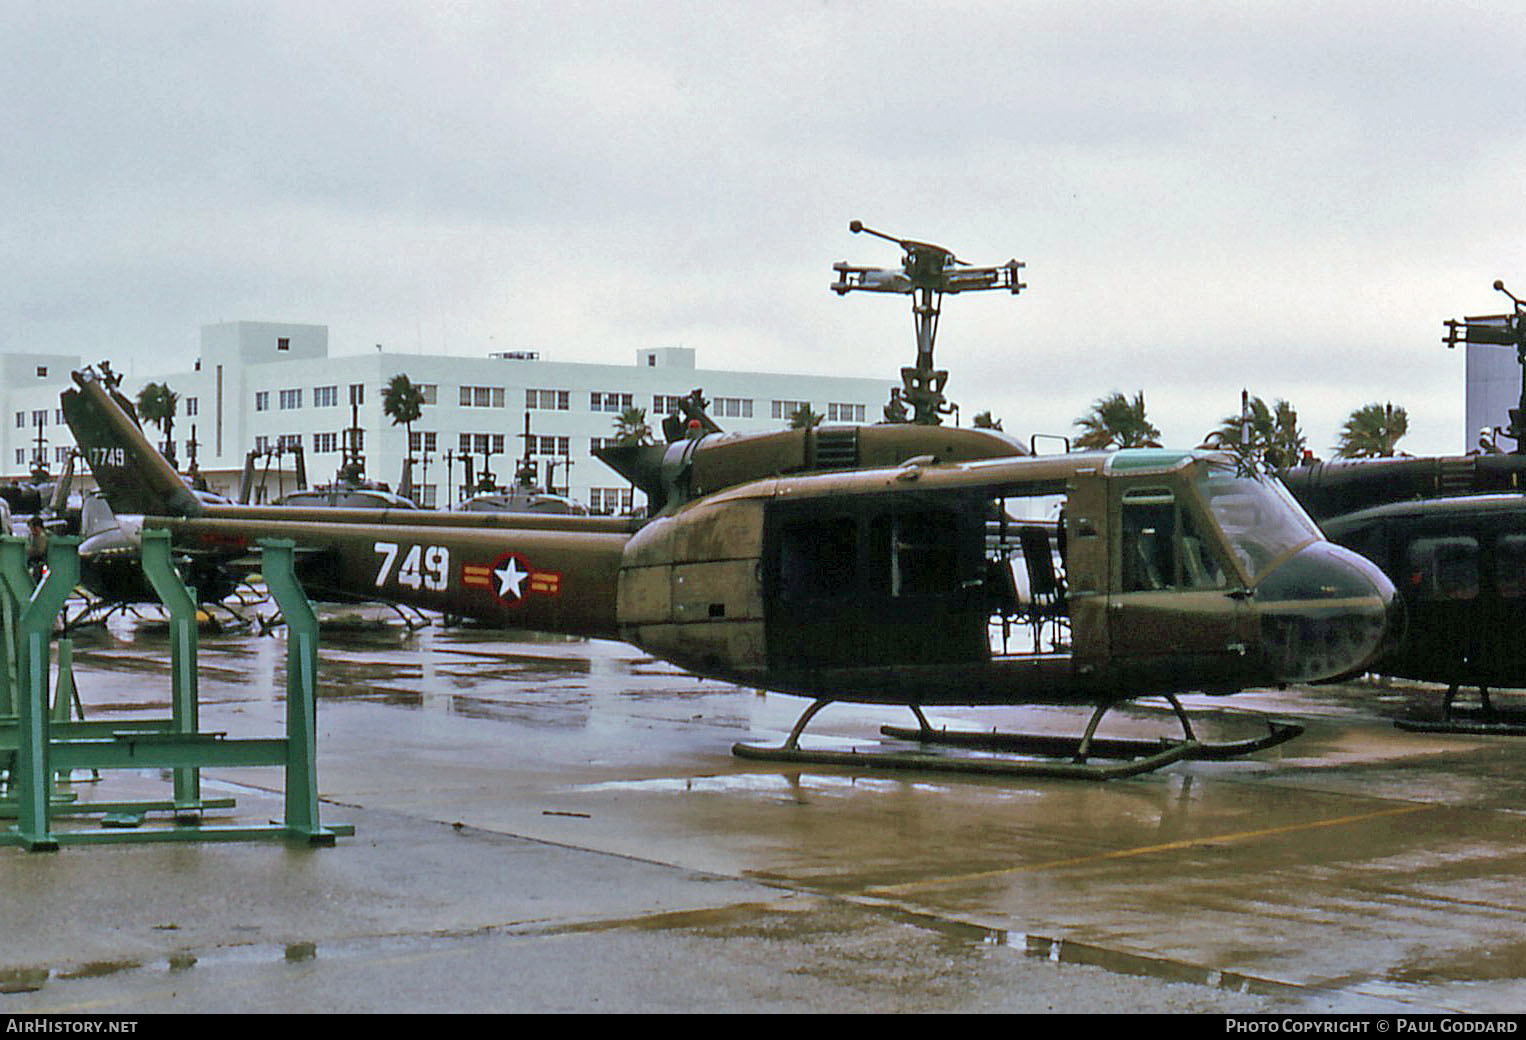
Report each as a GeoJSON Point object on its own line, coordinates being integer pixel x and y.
{"type": "Point", "coordinates": [897, 564]}
{"type": "Point", "coordinates": [1451, 533]}
{"type": "Point", "coordinates": [891, 585]}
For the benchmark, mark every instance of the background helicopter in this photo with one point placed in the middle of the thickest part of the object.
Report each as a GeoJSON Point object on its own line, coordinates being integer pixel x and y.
{"type": "Point", "coordinates": [1451, 533]}
{"type": "Point", "coordinates": [862, 579]}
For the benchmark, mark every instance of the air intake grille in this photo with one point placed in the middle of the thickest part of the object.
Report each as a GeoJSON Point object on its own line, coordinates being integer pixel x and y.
{"type": "Point", "coordinates": [837, 449]}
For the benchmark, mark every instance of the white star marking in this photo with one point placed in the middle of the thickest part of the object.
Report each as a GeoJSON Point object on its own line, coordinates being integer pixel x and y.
{"type": "Point", "coordinates": [511, 579]}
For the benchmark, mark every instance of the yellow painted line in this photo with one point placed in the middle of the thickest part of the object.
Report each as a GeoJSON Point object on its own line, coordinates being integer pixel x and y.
{"type": "Point", "coordinates": [1147, 850]}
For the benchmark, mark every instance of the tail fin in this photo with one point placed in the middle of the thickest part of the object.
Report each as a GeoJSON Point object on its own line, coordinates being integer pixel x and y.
{"type": "Point", "coordinates": [132, 475]}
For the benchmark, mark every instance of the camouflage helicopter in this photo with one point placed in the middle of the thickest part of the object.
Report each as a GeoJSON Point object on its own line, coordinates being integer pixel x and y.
{"type": "Point", "coordinates": [888, 564]}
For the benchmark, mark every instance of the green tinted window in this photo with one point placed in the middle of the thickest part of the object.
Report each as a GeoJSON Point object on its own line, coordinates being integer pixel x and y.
{"type": "Point", "coordinates": [1510, 565]}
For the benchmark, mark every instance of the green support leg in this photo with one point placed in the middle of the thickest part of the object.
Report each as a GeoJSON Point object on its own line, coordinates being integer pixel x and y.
{"type": "Point", "coordinates": [184, 695]}
{"type": "Point", "coordinates": [34, 780]}
{"type": "Point", "coordinates": [278, 565]}
{"type": "Point", "coordinates": [64, 694]}
{"type": "Point", "coordinates": [15, 590]}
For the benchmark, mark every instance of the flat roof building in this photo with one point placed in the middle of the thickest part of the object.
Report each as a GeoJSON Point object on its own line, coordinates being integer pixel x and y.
{"type": "Point", "coordinates": [258, 385]}
{"type": "Point", "coordinates": [1494, 387]}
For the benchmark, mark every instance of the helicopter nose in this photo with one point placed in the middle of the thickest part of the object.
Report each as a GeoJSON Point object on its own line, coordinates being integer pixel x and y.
{"type": "Point", "coordinates": [1326, 612]}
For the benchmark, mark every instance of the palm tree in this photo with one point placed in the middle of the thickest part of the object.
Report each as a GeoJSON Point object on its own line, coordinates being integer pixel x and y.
{"type": "Point", "coordinates": [983, 421]}
{"type": "Point", "coordinates": [1262, 433]}
{"type": "Point", "coordinates": [403, 402]}
{"type": "Point", "coordinates": [157, 404]}
{"type": "Point", "coordinates": [1117, 422]}
{"type": "Point", "coordinates": [803, 418]}
{"type": "Point", "coordinates": [631, 427]}
{"type": "Point", "coordinates": [1372, 431]}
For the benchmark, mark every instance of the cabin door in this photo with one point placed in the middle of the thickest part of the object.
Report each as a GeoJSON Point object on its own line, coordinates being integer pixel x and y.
{"type": "Point", "coordinates": [890, 581]}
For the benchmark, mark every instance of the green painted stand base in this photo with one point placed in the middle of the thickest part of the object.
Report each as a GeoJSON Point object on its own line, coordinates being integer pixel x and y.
{"type": "Point", "coordinates": [42, 744]}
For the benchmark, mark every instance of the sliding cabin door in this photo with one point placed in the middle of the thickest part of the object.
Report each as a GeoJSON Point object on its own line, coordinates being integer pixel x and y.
{"type": "Point", "coordinates": [885, 581]}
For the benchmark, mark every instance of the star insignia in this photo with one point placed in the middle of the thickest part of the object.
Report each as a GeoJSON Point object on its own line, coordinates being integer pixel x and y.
{"type": "Point", "coordinates": [511, 579]}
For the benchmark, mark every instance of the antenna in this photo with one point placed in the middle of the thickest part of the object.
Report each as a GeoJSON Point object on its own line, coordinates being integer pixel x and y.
{"type": "Point", "coordinates": [927, 272]}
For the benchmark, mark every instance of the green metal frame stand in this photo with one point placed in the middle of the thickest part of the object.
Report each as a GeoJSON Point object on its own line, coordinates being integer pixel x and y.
{"type": "Point", "coordinates": [41, 744]}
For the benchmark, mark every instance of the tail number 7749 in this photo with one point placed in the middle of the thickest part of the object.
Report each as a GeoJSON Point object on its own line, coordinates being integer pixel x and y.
{"type": "Point", "coordinates": [423, 566]}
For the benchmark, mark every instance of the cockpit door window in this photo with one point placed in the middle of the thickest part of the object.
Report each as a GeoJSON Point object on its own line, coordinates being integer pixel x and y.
{"type": "Point", "coordinates": [1162, 547]}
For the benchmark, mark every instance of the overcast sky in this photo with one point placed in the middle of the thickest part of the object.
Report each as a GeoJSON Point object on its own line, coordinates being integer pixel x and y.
{"type": "Point", "coordinates": [1289, 197]}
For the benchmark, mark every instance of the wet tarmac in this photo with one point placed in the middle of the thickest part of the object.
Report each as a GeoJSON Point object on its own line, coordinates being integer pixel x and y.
{"type": "Point", "coordinates": [555, 825]}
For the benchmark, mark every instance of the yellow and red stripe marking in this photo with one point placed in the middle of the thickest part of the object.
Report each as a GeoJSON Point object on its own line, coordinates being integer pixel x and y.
{"type": "Point", "coordinates": [511, 579]}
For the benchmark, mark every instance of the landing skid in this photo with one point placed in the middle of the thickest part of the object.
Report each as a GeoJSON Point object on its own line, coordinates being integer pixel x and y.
{"type": "Point", "coordinates": [412, 618]}
{"type": "Point", "coordinates": [96, 611]}
{"type": "Point", "coordinates": [1127, 757]}
{"type": "Point", "coordinates": [1485, 720]}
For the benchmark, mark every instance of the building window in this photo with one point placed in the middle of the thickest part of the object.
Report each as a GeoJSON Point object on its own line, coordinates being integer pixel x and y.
{"type": "Point", "coordinates": [549, 400]}
{"type": "Point", "coordinates": [42, 371]}
{"type": "Point", "coordinates": [289, 441]}
{"type": "Point", "coordinates": [20, 456]}
{"type": "Point", "coordinates": [262, 444]}
{"type": "Point", "coordinates": [325, 442]}
{"type": "Point", "coordinates": [430, 496]}
{"type": "Point", "coordinates": [785, 409]}
{"type": "Point", "coordinates": [357, 393]}
{"type": "Point", "coordinates": [423, 440]}
{"type": "Point", "coordinates": [839, 412]}
{"type": "Point", "coordinates": [551, 445]}
{"type": "Point", "coordinates": [482, 397]}
{"type": "Point", "coordinates": [283, 343]}
{"type": "Point", "coordinates": [21, 420]}
{"type": "Point", "coordinates": [599, 401]}
{"type": "Point", "coordinates": [291, 399]}
{"type": "Point", "coordinates": [431, 392]}
{"type": "Point", "coordinates": [325, 397]}
{"type": "Point", "coordinates": [651, 361]}
{"type": "Point", "coordinates": [481, 443]}
{"type": "Point", "coordinates": [40, 417]}
{"type": "Point", "coordinates": [60, 455]}
{"type": "Point", "coordinates": [732, 407]}
{"type": "Point", "coordinates": [262, 401]}
{"type": "Point", "coordinates": [609, 500]}
{"type": "Point", "coordinates": [190, 406]}
{"type": "Point", "coordinates": [58, 416]}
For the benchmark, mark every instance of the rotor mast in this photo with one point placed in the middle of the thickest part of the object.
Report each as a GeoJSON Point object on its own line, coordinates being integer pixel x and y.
{"type": "Point", "coordinates": [927, 272]}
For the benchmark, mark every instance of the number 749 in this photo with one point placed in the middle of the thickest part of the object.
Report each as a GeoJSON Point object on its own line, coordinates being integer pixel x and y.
{"type": "Point", "coordinates": [423, 567]}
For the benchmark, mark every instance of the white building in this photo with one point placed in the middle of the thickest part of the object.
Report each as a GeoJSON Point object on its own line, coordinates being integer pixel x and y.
{"type": "Point", "coordinates": [258, 384]}
{"type": "Point", "coordinates": [1494, 387]}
